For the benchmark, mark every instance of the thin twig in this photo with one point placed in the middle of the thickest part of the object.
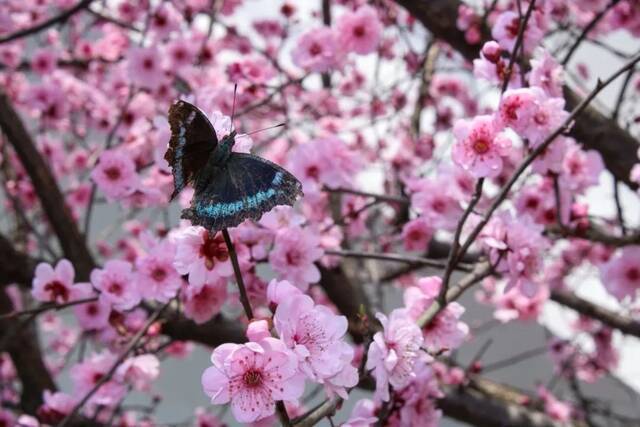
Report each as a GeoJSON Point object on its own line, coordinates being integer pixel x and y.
{"type": "Point", "coordinates": [453, 254]}
{"type": "Point", "coordinates": [128, 349]}
{"type": "Point", "coordinates": [46, 307]}
{"type": "Point", "coordinates": [58, 19]}
{"type": "Point", "coordinates": [414, 260]}
{"type": "Point", "coordinates": [586, 31]}
{"type": "Point", "coordinates": [244, 299]}
{"type": "Point", "coordinates": [382, 197]}
{"type": "Point", "coordinates": [516, 47]}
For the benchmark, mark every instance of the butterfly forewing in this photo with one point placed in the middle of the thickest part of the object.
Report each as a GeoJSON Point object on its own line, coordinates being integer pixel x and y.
{"type": "Point", "coordinates": [192, 139]}
{"type": "Point", "coordinates": [246, 186]}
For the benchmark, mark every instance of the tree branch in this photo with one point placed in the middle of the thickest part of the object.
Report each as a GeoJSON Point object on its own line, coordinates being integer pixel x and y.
{"type": "Point", "coordinates": [53, 202]}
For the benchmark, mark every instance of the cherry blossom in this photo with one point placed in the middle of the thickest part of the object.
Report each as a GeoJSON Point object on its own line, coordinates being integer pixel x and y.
{"type": "Point", "coordinates": [359, 31]}
{"type": "Point", "coordinates": [201, 255]}
{"type": "Point", "coordinates": [621, 275]}
{"type": "Point", "coordinates": [115, 174]}
{"type": "Point", "coordinates": [252, 377]}
{"type": "Point", "coordinates": [480, 146]}
{"type": "Point", "coordinates": [316, 335]}
{"type": "Point", "coordinates": [294, 252]}
{"type": "Point", "coordinates": [317, 50]}
{"type": "Point", "coordinates": [54, 285]}
{"type": "Point", "coordinates": [394, 352]}
{"type": "Point", "coordinates": [116, 285]}
{"type": "Point", "coordinates": [445, 331]}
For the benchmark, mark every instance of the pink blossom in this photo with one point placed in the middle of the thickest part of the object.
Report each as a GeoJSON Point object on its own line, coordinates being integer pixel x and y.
{"type": "Point", "coordinates": [116, 285]}
{"type": "Point", "coordinates": [556, 409]}
{"type": "Point", "coordinates": [506, 28]}
{"type": "Point", "coordinates": [420, 398]}
{"type": "Point", "coordinates": [156, 276]}
{"type": "Point", "coordinates": [145, 67]}
{"type": "Point", "coordinates": [416, 235]}
{"type": "Point", "coordinates": [253, 376]}
{"type": "Point", "coordinates": [92, 315]}
{"type": "Point", "coordinates": [491, 66]}
{"type": "Point", "coordinates": [581, 169]}
{"type": "Point", "coordinates": [513, 305]}
{"type": "Point", "coordinates": [55, 407]}
{"type": "Point", "coordinates": [546, 73]}
{"type": "Point", "coordinates": [51, 285]}
{"type": "Point", "coordinates": [360, 31]}
{"type": "Point", "coordinates": [115, 174]}
{"type": "Point", "coordinates": [324, 161]}
{"type": "Point", "coordinates": [281, 291]}
{"type": "Point", "coordinates": [86, 374]}
{"type": "Point", "coordinates": [316, 336]}
{"type": "Point", "coordinates": [294, 254]}
{"type": "Point", "coordinates": [139, 371]}
{"type": "Point", "coordinates": [203, 302]}
{"type": "Point", "coordinates": [363, 414]}
{"type": "Point", "coordinates": [201, 255]}
{"type": "Point", "coordinates": [7, 419]}
{"type": "Point", "coordinates": [548, 115]}
{"type": "Point", "coordinates": [441, 209]}
{"type": "Point", "coordinates": [621, 275]}
{"type": "Point", "coordinates": [394, 352]}
{"type": "Point", "coordinates": [316, 50]}
{"type": "Point", "coordinates": [480, 146]}
{"type": "Point", "coordinates": [44, 61]}
{"type": "Point", "coordinates": [517, 247]}
{"type": "Point", "coordinates": [516, 109]}
{"type": "Point", "coordinates": [445, 331]}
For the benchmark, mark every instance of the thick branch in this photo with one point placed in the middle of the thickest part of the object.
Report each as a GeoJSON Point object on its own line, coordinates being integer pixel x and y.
{"type": "Point", "coordinates": [53, 202]}
{"type": "Point", "coordinates": [593, 130]}
{"type": "Point", "coordinates": [15, 266]}
{"type": "Point", "coordinates": [24, 350]}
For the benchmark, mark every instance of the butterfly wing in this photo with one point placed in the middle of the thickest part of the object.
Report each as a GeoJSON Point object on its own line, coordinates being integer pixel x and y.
{"type": "Point", "coordinates": [246, 186]}
{"type": "Point", "coordinates": [193, 138]}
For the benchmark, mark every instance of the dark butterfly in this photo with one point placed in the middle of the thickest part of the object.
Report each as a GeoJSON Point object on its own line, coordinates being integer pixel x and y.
{"type": "Point", "coordinates": [229, 187]}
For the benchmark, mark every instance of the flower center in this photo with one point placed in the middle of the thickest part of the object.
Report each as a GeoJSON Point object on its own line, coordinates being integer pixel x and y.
{"type": "Point", "coordinates": [92, 309]}
{"type": "Point", "coordinates": [115, 288]}
{"type": "Point", "coordinates": [293, 257]}
{"type": "Point", "coordinates": [359, 31]}
{"type": "Point", "coordinates": [213, 249]}
{"type": "Point", "coordinates": [481, 146]}
{"type": "Point", "coordinates": [633, 274]}
{"type": "Point", "coordinates": [147, 63]}
{"type": "Point", "coordinates": [252, 378]}
{"type": "Point", "coordinates": [313, 172]}
{"type": "Point", "coordinates": [112, 173]}
{"type": "Point", "coordinates": [513, 27]}
{"type": "Point", "coordinates": [315, 49]}
{"type": "Point", "coordinates": [57, 289]}
{"type": "Point", "coordinates": [159, 274]}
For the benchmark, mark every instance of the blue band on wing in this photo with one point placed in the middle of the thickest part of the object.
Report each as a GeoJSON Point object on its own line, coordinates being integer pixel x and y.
{"type": "Point", "coordinates": [227, 209]}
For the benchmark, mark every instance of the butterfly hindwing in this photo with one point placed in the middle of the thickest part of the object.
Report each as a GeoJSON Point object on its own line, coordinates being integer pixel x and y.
{"type": "Point", "coordinates": [246, 186]}
{"type": "Point", "coordinates": [192, 139]}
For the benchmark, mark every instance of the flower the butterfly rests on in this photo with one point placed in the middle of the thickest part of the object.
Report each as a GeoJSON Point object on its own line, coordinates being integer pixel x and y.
{"type": "Point", "coordinates": [229, 187]}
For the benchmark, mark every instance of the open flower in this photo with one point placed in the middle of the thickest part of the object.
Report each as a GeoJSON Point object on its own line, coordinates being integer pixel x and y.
{"type": "Point", "coordinates": [480, 147]}
{"type": "Point", "coordinates": [394, 352]}
{"type": "Point", "coordinates": [253, 376]}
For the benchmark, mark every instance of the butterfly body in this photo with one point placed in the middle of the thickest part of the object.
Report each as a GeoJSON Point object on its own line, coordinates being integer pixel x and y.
{"type": "Point", "coordinates": [229, 187]}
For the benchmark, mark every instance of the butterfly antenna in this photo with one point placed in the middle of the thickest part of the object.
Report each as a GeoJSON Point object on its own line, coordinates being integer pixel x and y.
{"type": "Point", "coordinates": [233, 108]}
{"type": "Point", "coordinates": [267, 128]}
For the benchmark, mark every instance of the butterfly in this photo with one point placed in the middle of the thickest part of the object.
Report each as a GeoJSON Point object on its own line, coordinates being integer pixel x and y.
{"type": "Point", "coordinates": [229, 187]}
